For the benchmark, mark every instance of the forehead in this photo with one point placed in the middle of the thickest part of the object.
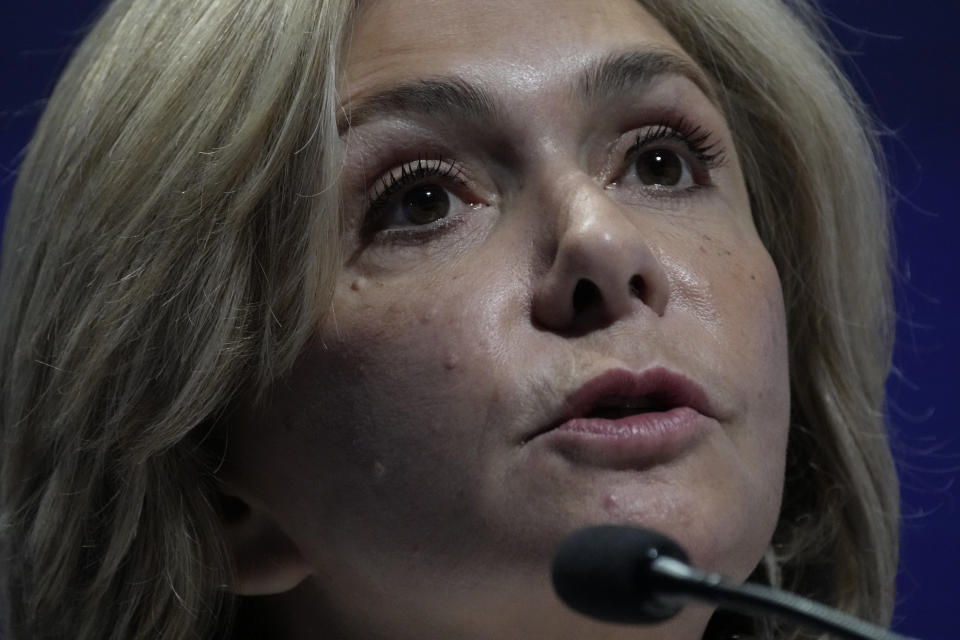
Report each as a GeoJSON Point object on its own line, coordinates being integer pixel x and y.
{"type": "Point", "coordinates": [521, 44]}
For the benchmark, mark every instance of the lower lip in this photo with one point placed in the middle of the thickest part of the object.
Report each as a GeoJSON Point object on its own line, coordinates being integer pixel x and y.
{"type": "Point", "coordinates": [636, 441]}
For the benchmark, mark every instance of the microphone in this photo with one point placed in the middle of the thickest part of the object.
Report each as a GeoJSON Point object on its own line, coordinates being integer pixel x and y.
{"type": "Point", "coordinates": [637, 576]}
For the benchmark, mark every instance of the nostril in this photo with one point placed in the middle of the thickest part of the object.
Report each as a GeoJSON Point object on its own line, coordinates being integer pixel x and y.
{"type": "Point", "coordinates": [585, 294]}
{"type": "Point", "coordinates": [638, 288]}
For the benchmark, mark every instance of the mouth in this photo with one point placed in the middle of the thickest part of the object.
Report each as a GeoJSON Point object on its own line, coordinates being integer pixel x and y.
{"type": "Point", "coordinates": [614, 408]}
{"type": "Point", "coordinates": [619, 394]}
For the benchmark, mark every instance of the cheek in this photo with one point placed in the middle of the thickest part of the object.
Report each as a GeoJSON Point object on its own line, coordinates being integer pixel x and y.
{"type": "Point", "coordinates": [745, 288]}
{"type": "Point", "coordinates": [752, 354]}
{"type": "Point", "coordinates": [410, 365]}
{"type": "Point", "coordinates": [730, 287]}
{"type": "Point", "coordinates": [423, 330]}
{"type": "Point", "coordinates": [763, 337]}
{"type": "Point", "coordinates": [387, 411]}
{"type": "Point", "coordinates": [761, 357]}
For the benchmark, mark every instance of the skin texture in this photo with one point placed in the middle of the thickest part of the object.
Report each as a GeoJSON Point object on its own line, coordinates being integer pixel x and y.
{"type": "Point", "coordinates": [392, 486]}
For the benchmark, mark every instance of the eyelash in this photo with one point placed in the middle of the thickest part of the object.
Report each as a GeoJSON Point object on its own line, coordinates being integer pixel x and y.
{"type": "Point", "coordinates": [392, 184]}
{"type": "Point", "coordinates": [695, 138]}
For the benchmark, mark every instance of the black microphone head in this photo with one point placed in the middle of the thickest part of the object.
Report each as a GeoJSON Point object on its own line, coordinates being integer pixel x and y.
{"type": "Point", "coordinates": [604, 572]}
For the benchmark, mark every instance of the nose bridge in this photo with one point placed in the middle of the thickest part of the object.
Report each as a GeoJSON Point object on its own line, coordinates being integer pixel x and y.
{"type": "Point", "coordinates": [604, 266]}
{"type": "Point", "coordinates": [588, 216]}
{"type": "Point", "coordinates": [579, 209]}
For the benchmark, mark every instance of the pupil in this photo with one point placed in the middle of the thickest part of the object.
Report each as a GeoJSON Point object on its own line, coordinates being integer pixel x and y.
{"type": "Point", "coordinates": [659, 167]}
{"type": "Point", "coordinates": [425, 204]}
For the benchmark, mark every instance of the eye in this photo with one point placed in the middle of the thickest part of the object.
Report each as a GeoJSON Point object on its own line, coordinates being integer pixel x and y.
{"type": "Point", "coordinates": [419, 206]}
{"type": "Point", "coordinates": [420, 194]}
{"type": "Point", "coordinates": [425, 204]}
{"type": "Point", "coordinates": [671, 158]}
{"type": "Point", "coordinates": [662, 168]}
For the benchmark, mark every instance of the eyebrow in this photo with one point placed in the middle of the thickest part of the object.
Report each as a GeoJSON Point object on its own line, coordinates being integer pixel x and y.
{"type": "Point", "coordinates": [445, 96]}
{"type": "Point", "coordinates": [455, 98]}
{"type": "Point", "coordinates": [620, 72]}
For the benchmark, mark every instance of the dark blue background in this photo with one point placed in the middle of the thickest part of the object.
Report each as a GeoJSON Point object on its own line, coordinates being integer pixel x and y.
{"type": "Point", "coordinates": [906, 62]}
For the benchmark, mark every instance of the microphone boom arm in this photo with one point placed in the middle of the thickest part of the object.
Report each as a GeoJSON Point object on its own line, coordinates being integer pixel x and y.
{"type": "Point", "coordinates": [680, 580]}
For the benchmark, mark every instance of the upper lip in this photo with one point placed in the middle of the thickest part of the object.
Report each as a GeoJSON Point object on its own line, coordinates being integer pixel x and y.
{"type": "Point", "coordinates": [659, 386]}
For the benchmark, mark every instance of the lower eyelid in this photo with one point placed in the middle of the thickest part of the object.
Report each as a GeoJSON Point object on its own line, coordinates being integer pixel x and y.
{"type": "Point", "coordinates": [377, 217]}
{"type": "Point", "coordinates": [421, 238]}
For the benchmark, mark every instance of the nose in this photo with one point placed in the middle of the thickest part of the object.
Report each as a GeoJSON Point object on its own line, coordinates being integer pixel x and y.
{"type": "Point", "coordinates": [603, 268]}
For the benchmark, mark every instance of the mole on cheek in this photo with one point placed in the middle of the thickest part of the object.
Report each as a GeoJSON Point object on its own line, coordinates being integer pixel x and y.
{"type": "Point", "coordinates": [451, 361]}
{"type": "Point", "coordinates": [359, 284]}
{"type": "Point", "coordinates": [611, 505]}
{"type": "Point", "coordinates": [428, 316]}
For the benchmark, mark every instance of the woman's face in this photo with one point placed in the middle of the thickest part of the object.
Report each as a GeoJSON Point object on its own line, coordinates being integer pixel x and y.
{"type": "Point", "coordinates": [554, 311]}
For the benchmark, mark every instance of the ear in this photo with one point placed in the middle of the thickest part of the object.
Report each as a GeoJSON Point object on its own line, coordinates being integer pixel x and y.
{"type": "Point", "coordinates": [266, 559]}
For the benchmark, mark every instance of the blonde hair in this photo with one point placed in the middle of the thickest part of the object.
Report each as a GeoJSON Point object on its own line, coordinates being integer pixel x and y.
{"type": "Point", "coordinates": [158, 260]}
{"type": "Point", "coordinates": [814, 171]}
{"type": "Point", "coordinates": [172, 242]}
